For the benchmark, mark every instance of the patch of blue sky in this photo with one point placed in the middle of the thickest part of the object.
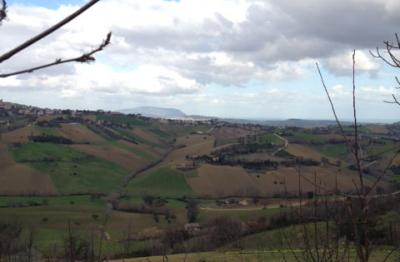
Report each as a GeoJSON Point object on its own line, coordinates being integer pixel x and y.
{"type": "Point", "coordinates": [52, 4]}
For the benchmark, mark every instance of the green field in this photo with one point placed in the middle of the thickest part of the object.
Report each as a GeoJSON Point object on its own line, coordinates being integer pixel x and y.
{"type": "Point", "coordinates": [270, 138]}
{"type": "Point", "coordinates": [380, 149]}
{"type": "Point", "coordinates": [308, 137]}
{"type": "Point", "coordinates": [140, 153]}
{"type": "Point", "coordinates": [333, 150]}
{"type": "Point", "coordinates": [128, 133]}
{"type": "Point", "coordinates": [50, 223]}
{"type": "Point", "coordinates": [165, 182]}
{"type": "Point", "coordinates": [283, 255]}
{"type": "Point", "coordinates": [71, 170]}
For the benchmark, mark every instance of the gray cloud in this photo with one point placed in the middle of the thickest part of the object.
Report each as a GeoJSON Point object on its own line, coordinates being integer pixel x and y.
{"type": "Point", "coordinates": [182, 51]}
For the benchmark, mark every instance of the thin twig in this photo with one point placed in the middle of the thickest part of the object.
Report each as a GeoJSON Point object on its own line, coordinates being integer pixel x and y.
{"type": "Point", "coordinates": [3, 10]}
{"type": "Point", "coordinates": [47, 32]}
{"type": "Point", "coordinates": [334, 110]}
{"type": "Point", "coordinates": [392, 60]}
{"type": "Point", "coordinates": [356, 145]}
{"type": "Point", "coordinates": [395, 101]}
{"type": "Point", "coordinates": [85, 58]}
{"type": "Point", "coordinates": [381, 176]}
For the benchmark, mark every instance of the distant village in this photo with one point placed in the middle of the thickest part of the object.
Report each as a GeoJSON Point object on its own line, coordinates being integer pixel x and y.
{"type": "Point", "coordinates": [10, 112]}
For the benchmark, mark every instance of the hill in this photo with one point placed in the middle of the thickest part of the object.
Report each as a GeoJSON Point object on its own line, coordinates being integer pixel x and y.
{"type": "Point", "coordinates": [155, 112]}
{"type": "Point", "coordinates": [302, 123]}
{"type": "Point", "coordinates": [79, 167]}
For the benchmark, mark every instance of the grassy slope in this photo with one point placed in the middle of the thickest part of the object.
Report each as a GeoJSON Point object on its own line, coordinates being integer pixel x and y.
{"type": "Point", "coordinates": [249, 256]}
{"type": "Point", "coordinates": [308, 137]}
{"type": "Point", "coordinates": [71, 171]}
{"type": "Point", "coordinates": [333, 150]}
{"type": "Point", "coordinates": [50, 222]}
{"type": "Point", "coordinates": [140, 153]}
{"type": "Point", "coordinates": [165, 182]}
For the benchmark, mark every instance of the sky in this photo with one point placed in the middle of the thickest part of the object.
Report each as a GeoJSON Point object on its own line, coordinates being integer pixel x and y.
{"type": "Point", "coordinates": [225, 58]}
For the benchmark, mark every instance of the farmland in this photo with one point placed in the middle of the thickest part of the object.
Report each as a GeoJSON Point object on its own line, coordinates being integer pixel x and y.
{"type": "Point", "coordinates": [137, 180]}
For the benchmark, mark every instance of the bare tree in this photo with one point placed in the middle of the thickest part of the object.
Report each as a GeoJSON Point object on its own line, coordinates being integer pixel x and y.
{"type": "Point", "coordinates": [84, 58]}
{"type": "Point", "coordinates": [358, 206]}
{"type": "Point", "coordinates": [327, 219]}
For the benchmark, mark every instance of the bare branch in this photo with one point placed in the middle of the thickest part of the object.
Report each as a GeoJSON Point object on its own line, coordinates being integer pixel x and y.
{"type": "Point", "coordinates": [47, 32]}
{"type": "Point", "coordinates": [383, 174]}
{"type": "Point", "coordinates": [3, 10]}
{"type": "Point", "coordinates": [356, 145]}
{"type": "Point", "coordinates": [395, 100]}
{"type": "Point", "coordinates": [85, 58]}
{"type": "Point", "coordinates": [390, 59]}
{"type": "Point", "coordinates": [349, 146]}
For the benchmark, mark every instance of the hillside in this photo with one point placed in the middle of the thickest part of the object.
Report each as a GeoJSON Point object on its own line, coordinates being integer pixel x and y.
{"type": "Point", "coordinates": [57, 166]}
{"type": "Point", "coordinates": [103, 152]}
{"type": "Point", "coordinates": [155, 112]}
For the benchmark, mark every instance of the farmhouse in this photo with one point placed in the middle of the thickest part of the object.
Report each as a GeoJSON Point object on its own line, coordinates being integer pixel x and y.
{"type": "Point", "coordinates": [192, 228]}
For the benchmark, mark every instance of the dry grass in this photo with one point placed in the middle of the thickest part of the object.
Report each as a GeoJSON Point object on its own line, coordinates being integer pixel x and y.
{"type": "Point", "coordinates": [226, 133]}
{"type": "Point", "coordinates": [222, 181]}
{"type": "Point", "coordinates": [120, 157]}
{"type": "Point", "coordinates": [146, 135]}
{"type": "Point", "coordinates": [20, 135]}
{"type": "Point", "coordinates": [326, 179]}
{"type": "Point", "coordinates": [378, 129]}
{"type": "Point", "coordinates": [306, 152]}
{"type": "Point", "coordinates": [219, 181]}
{"type": "Point", "coordinates": [192, 145]}
{"type": "Point", "coordinates": [79, 133]}
{"type": "Point", "coordinates": [332, 136]}
{"type": "Point", "coordinates": [18, 179]}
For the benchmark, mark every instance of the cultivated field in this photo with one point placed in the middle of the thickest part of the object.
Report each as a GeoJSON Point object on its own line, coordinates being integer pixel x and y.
{"type": "Point", "coordinates": [304, 151]}
{"type": "Point", "coordinates": [19, 179]}
{"type": "Point", "coordinates": [220, 181]}
{"type": "Point", "coordinates": [122, 158]}
{"type": "Point", "coordinates": [79, 133]}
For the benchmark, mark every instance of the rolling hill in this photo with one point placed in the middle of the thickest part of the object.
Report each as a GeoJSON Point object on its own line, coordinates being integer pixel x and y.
{"type": "Point", "coordinates": [155, 112]}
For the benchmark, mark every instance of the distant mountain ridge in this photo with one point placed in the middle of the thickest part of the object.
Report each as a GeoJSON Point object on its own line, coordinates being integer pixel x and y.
{"type": "Point", "coordinates": [303, 123]}
{"type": "Point", "coordinates": [155, 112]}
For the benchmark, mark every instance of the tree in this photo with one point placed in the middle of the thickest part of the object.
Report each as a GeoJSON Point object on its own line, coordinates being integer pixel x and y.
{"type": "Point", "coordinates": [192, 210]}
{"type": "Point", "coordinates": [332, 226]}
{"type": "Point", "coordinates": [84, 58]}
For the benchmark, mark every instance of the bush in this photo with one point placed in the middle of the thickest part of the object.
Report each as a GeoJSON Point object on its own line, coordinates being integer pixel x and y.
{"type": "Point", "coordinates": [51, 139]}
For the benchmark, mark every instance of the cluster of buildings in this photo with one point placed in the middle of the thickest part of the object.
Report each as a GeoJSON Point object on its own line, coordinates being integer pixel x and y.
{"type": "Point", "coordinates": [12, 109]}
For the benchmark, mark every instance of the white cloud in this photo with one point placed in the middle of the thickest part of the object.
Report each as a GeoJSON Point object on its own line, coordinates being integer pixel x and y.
{"type": "Point", "coordinates": [146, 79]}
{"type": "Point", "coordinates": [166, 48]}
{"type": "Point", "coordinates": [342, 64]}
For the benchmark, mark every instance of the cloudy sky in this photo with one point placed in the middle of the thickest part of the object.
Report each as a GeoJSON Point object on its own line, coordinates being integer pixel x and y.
{"type": "Point", "coordinates": [230, 58]}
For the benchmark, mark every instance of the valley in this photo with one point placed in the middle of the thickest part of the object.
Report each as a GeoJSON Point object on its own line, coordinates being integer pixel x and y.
{"type": "Point", "coordinates": [130, 181]}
